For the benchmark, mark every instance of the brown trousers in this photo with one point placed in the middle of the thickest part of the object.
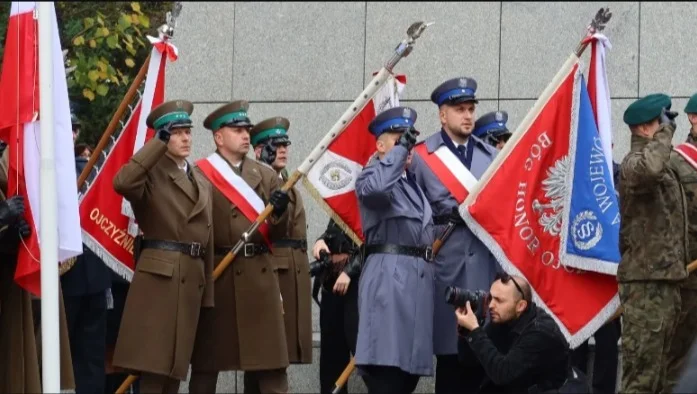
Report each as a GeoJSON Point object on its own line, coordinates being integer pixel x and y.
{"type": "Point", "coordinates": [274, 381]}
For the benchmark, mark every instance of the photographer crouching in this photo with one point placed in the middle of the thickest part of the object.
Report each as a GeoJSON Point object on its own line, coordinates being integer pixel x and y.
{"type": "Point", "coordinates": [336, 273]}
{"type": "Point", "coordinates": [521, 348]}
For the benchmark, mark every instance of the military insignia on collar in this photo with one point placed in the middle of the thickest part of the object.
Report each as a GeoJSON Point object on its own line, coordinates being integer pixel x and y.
{"type": "Point", "coordinates": [406, 113]}
{"type": "Point", "coordinates": [499, 117]}
{"type": "Point", "coordinates": [463, 82]}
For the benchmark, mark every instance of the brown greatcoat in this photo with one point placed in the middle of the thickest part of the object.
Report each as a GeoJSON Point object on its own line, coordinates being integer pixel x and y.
{"type": "Point", "coordinates": [20, 334]}
{"type": "Point", "coordinates": [169, 288]}
{"type": "Point", "coordinates": [245, 329]}
{"type": "Point", "coordinates": [294, 278]}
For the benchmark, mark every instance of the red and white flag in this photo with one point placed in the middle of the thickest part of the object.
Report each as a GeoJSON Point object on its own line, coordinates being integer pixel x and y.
{"type": "Point", "coordinates": [534, 209]}
{"type": "Point", "coordinates": [599, 92]}
{"type": "Point", "coordinates": [331, 181]}
{"type": "Point", "coordinates": [20, 127]}
{"type": "Point", "coordinates": [108, 224]}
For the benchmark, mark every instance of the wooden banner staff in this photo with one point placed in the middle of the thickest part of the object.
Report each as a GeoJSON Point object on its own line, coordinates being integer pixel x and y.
{"type": "Point", "coordinates": [403, 50]}
{"type": "Point", "coordinates": [597, 24]}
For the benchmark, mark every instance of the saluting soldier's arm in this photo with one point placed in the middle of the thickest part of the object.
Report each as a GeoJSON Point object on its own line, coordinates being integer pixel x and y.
{"type": "Point", "coordinates": [648, 165]}
{"type": "Point", "coordinates": [374, 184]}
{"type": "Point", "coordinates": [132, 179]}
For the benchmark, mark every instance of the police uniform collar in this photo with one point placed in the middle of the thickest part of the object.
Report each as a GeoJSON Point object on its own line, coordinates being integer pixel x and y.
{"type": "Point", "coordinates": [437, 140]}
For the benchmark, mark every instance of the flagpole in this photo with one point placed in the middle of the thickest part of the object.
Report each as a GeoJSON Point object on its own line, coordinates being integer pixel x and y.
{"type": "Point", "coordinates": [48, 232]}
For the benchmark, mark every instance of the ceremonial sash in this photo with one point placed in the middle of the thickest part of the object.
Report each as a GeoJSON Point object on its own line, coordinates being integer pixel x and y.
{"type": "Point", "coordinates": [449, 170]}
{"type": "Point", "coordinates": [235, 189]}
{"type": "Point", "coordinates": [689, 152]}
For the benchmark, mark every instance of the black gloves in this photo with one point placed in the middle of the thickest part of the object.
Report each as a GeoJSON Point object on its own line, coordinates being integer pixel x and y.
{"type": "Point", "coordinates": [163, 134]}
{"type": "Point", "coordinates": [408, 139]}
{"type": "Point", "coordinates": [268, 153]}
{"type": "Point", "coordinates": [11, 210]}
{"type": "Point", "coordinates": [279, 200]}
{"type": "Point", "coordinates": [23, 228]}
{"type": "Point", "coordinates": [668, 118]}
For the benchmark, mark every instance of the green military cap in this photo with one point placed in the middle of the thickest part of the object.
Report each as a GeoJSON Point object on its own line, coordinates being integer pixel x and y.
{"type": "Point", "coordinates": [176, 112]}
{"type": "Point", "coordinates": [691, 107]}
{"type": "Point", "coordinates": [269, 128]}
{"type": "Point", "coordinates": [233, 114]}
{"type": "Point", "coordinates": [646, 109]}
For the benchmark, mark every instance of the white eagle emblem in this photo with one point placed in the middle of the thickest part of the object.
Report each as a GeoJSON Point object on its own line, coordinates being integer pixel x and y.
{"type": "Point", "coordinates": [555, 190]}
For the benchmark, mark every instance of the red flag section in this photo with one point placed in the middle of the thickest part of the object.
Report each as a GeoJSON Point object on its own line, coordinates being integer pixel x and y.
{"type": "Point", "coordinates": [515, 211]}
{"type": "Point", "coordinates": [105, 228]}
{"type": "Point", "coordinates": [331, 181]}
{"type": "Point", "coordinates": [20, 128]}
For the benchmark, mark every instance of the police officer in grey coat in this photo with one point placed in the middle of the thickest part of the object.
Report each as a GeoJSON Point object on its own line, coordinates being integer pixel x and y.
{"type": "Point", "coordinates": [395, 300]}
{"type": "Point", "coordinates": [463, 261]}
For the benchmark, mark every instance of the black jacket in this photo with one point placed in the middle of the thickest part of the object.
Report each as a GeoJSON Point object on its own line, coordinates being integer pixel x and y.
{"type": "Point", "coordinates": [89, 275]}
{"type": "Point", "coordinates": [516, 357]}
{"type": "Point", "coordinates": [339, 242]}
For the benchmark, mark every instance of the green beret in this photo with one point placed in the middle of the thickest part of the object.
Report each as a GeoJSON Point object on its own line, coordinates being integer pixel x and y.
{"type": "Point", "coordinates": [691, 107]}
{"type": "Point", "coordinates": [646, 109]}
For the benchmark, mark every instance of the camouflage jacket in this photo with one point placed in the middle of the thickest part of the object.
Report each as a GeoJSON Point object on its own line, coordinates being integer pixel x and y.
{"type": "Point", "coordinates": [688, 178]}
{"type": "Point", "coordinates": [653, 229]}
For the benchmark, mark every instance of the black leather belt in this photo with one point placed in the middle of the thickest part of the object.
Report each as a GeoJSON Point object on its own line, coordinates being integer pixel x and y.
{"type": "Point", "coordinates": [445, 219]}
{"type": "Point", "coordinates": [248, 250]}
{"type": "Point", "coordinates": [193, 249]}
{"type": "Point", "coordinates": [290, 243]}
{"type": "Point", "coordinates": [424, 252]}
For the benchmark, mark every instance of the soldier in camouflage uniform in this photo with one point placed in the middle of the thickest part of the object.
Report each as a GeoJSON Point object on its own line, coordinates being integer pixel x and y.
{"type": "Point", "coordinates": [653, 245]}
{"type": "Point", "coordinates": [686, 330]}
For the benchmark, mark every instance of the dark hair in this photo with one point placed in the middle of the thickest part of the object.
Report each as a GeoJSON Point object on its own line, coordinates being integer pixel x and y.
{"type": "Point", "coordinates": [80, 148]}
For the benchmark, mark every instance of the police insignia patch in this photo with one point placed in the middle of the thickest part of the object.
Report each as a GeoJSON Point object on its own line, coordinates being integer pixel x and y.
{"type": "Point", "coordinates": [499, 117]}
{"type": "Point", "coordinates": [463, 82]}
{"type": "Point", "coordinates": [406, 113]}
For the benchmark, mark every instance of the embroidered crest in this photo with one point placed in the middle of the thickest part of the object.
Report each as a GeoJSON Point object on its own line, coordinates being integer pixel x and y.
{"type": "Point", "coordinates": [499, 117]}
{"type": "Point", "coordinates": [555, 190]}
{"type": "Point", "coordinates": [406, 113]}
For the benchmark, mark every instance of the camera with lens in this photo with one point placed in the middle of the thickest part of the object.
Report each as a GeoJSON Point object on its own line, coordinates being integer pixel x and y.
{"type": "Point", "coordinates": [318, 266]}
{"type": "Point", "coordinates": [478, 299]}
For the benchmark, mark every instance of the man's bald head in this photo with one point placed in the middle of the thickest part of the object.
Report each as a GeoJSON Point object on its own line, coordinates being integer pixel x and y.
{"type": "Point", "coordinates": [524, 286]}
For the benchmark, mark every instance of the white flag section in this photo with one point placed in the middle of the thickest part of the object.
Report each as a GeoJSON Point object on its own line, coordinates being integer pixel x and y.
{"type": "Point", "coordinates": [599, 90]}
{"type": "Point", "coordinates": [65, 194]}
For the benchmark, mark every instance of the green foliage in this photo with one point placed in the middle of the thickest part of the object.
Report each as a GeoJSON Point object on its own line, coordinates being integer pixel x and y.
{"type": "Point", "coordinates": [106, 46]}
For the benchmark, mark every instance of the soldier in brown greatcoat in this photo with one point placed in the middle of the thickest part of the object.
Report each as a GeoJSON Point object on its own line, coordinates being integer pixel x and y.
{"type": "Point", "coordinates": [20, 323]}
{"type": "Point", "coordinates": [270, 141]}
{"type": "Point", "coordinates": [173, 278]}
{"type": "Point", "coordinates": [245, 330]}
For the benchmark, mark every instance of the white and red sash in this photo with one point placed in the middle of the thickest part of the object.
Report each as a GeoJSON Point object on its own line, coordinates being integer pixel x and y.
{"type": "Point", "coordinates": [235, 189]}
{"type": "Point", "coordinates": [449, 170]}
{"type": "Point", "coordinates": [689, 152]}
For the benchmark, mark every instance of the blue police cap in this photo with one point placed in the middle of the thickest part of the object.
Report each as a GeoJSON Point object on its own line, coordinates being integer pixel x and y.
{"type": "Point", "coordinates": [394, 119]}
{"type": "Point", "coordinates": [492, 123]}
{"type": "Point", "coordinates": [455, 91]}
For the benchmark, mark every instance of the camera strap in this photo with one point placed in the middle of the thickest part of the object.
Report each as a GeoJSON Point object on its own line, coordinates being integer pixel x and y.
{"type": "Point", "coordinates": [316, 285]}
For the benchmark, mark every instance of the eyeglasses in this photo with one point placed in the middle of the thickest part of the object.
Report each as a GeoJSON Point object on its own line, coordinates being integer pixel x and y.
{"type": "Point", "coordinates": [504, 278]}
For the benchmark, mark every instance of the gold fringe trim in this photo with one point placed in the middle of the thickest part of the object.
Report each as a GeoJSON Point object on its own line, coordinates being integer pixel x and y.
{"type": "Point", "coordinates": [318, 198]}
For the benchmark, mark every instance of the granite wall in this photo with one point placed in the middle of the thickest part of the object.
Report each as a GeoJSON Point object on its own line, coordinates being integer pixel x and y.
{"type": "Point", "coordinates": [309, 61]}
